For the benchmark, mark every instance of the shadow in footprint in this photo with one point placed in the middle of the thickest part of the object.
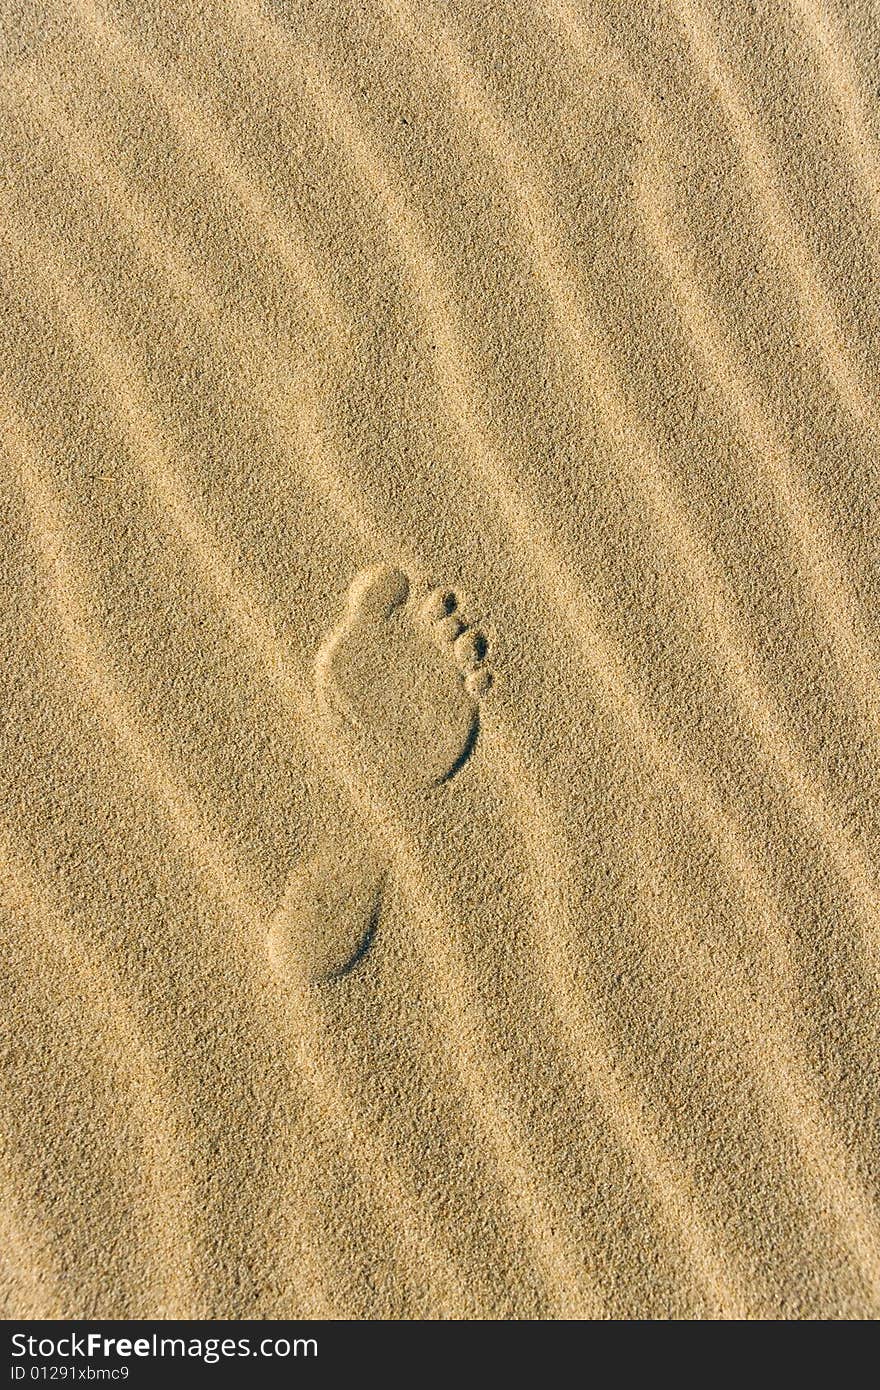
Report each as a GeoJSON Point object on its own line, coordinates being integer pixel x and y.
{"type": "Point", "coordinates": [464, 755]}
{"type": "Point", "coordinates": [364, 945]}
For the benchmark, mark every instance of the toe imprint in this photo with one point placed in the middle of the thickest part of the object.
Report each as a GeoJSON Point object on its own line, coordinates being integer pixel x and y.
{"type": "Point", "coordinates": [439, 604]}
{"type": "Point", "coordinates": [471, 649]}
{"type": "Point", "coordinates": [447, 629]}
{"type": "Point", "coordinates": [377, 592]}
{"type": "Point", "coordinates": [478, 683]}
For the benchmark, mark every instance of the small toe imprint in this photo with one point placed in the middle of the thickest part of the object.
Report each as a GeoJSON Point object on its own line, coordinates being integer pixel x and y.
{"type": "Point", "coordinates": [439, 604]}
{"type": "Point", "coordinates": [447, 629]}
{"type": "Point", "coordinates": [471, 648]}
{"type": "Point", "coordinates": [477, 682]}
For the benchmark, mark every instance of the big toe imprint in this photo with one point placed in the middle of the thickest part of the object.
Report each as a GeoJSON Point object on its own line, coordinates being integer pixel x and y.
{"type": "Point", "coordinates": [406, 679]}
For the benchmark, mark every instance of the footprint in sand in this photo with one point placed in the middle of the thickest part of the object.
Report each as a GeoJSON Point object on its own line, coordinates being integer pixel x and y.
{"type": "Point", "coordinates": [401, 682]}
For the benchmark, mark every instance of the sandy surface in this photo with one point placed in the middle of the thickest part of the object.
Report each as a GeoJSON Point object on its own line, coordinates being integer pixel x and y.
{"type": "Point", "coordinates": [439, 690]}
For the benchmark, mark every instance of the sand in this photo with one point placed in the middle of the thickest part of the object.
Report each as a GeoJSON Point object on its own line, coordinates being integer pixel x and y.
{"type": "Point", "coordinates": [440, 728]}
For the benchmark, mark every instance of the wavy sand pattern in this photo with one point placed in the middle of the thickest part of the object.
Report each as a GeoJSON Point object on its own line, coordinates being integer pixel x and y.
{"type": "Point", "coordinates": [439, 853]}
